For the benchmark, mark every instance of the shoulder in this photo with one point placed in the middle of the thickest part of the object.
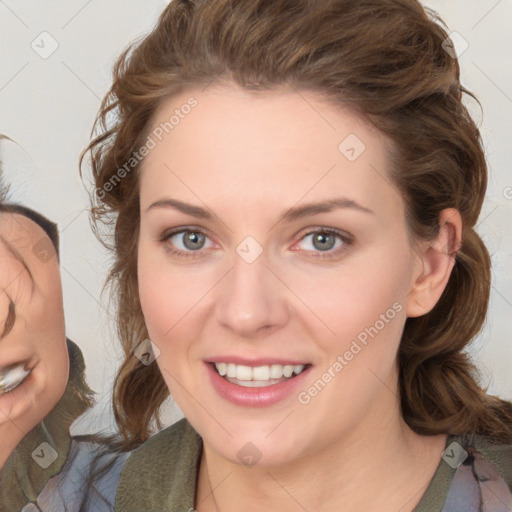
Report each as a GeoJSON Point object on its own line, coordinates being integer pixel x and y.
{"type": "Point", "coordinates": [165, 467]}
{"type": "Point", "coordinates": [499, 455]}
{"type": "Point", "coordinates": [483, 478]}
{"type": "Point", "coordinates": [89, 478]}
{"type": "Point", "coordinates": [171, 438]}
{"type": "Point", "coordinates": [473, 472]}
{"type": "Point", "coordinates": [172, 447]}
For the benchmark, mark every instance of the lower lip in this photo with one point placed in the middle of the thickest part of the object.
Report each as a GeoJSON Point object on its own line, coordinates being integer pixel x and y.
{"type": "Point", "coordinates": [255, 397]}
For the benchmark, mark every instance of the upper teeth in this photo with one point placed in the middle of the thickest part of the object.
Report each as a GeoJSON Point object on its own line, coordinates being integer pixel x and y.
{"type": "Point", "coordinates": [12, 377]}
{"type": "Point", "coordinates": [274, 371]}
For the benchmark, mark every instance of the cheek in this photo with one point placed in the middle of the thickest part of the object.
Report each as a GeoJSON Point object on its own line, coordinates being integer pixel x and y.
{"type": "Point", "coordinates": [51, 346]}
{"type": "Point", "coordinates": [52, 349]}
{"type": "Point", "coordinates": [52, 374]}
{"type": "Point", "coordinates": [168, 296]}
{"type": "Point", "coordinates": [169, 302]}
{"type": "Point", "coordinates": [47, 316]}
{"type": "Point", "coordinates": [171, 294]}
{"type": "Point", "coordinates": [156, 301]}
{"type": "Point", "coordinates": [361, 299]}
{"type": "Point", "coordinates": [57, 369]}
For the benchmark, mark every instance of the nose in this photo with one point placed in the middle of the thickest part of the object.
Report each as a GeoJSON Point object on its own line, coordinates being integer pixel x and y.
{"type": "Point", "coordinates": [251, 301]}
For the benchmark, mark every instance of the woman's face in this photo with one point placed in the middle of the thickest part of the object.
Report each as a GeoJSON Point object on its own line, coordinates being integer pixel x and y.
{"type": "Point", "coordinates": [34, 361]}
{"type": "Point", "coordinates": [273, 244]}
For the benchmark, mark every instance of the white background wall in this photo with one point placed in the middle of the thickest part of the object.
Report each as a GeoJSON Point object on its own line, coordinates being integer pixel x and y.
{"type": "Point", "coordinates": [48, 106]}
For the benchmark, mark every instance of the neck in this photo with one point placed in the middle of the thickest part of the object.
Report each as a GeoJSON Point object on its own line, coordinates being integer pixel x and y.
{"type": "Point", "coordinates": [382, 456]}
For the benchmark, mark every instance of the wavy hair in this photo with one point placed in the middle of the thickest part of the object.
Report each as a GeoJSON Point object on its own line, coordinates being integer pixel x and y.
{"type": "Point", "coordinates": [385, 60]}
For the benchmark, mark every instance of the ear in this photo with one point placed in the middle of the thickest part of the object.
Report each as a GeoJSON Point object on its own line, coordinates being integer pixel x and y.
{"type": "Point", "coordinates": [436, 260]}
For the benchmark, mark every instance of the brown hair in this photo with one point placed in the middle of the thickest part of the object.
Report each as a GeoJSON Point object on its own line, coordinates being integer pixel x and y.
{"type": "Point", "coordinates": [385, 60]}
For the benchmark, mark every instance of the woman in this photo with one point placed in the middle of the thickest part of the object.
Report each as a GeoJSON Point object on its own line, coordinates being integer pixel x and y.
{"type": "Point", "coordinates": [42, 384]}
{"type": "Point", "coordinates": [294, 187]}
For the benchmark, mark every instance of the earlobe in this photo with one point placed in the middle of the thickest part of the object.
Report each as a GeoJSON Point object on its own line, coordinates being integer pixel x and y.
{"type": "Point", "coordinates": [435, 264]}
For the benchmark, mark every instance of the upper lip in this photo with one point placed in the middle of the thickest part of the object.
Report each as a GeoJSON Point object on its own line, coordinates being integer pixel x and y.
{"type": "Point", "coordinates": [261, 361]}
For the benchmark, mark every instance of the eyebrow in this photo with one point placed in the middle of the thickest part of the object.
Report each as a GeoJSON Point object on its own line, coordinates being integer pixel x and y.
{"type": "Point", "coordinates": [294, 213]}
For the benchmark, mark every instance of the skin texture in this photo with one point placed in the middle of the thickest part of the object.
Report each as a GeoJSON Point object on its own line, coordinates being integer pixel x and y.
{"type": "Point", "coordinates": [31, 279]}
{"type": "Point", "coordinates": [248, 159]}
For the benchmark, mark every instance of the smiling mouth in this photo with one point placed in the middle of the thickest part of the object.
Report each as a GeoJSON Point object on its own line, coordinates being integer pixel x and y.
{"type": "Point", "coordinates": [13, 376]}
{"type": "Point", "coordinates": [258, 376]}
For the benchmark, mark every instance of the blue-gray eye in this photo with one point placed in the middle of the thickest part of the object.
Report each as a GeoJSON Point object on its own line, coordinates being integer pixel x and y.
{"type": "Point", "coordinates": [322, 241]}
{"type": "Point", "coordinates": [192, 240]}
{"type": "Point", "coordinates": [183, 242]}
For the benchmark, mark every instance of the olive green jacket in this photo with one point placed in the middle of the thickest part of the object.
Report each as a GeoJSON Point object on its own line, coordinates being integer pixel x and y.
{"type": "Point", "coordinates": [160, 476]}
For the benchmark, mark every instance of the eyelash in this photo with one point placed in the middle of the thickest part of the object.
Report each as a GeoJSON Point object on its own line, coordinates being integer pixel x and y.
{"type": "Point", "coordinates": [345, 238]}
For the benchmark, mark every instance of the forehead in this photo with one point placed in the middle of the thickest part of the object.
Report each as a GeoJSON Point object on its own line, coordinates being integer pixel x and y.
{"type": "Point", "coordinates": [276, 146]}
{"type": "Point", "coordinates": [25, 240]}
{"type": "Point", "coordinates": [16, 226]}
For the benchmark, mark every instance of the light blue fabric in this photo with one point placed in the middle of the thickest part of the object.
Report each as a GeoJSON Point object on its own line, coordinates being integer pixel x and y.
{"type": "Point", "coordinates": [68, 490]}
{"type": "Point", "coordinates": [477, 486]}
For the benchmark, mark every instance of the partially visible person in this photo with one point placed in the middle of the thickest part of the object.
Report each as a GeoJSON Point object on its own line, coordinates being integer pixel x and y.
{"type": "Point", "coordinates": [42, 384]}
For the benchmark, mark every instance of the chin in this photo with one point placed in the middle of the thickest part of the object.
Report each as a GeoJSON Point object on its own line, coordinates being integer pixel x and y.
{"type": "Point", "coordinates": [253, 446]}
